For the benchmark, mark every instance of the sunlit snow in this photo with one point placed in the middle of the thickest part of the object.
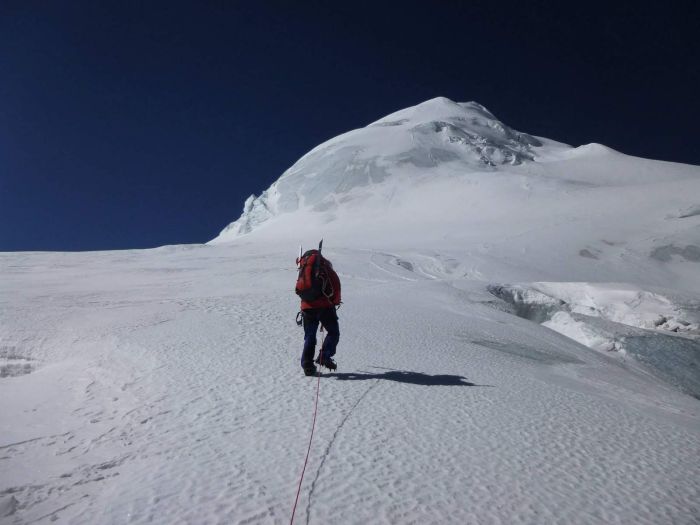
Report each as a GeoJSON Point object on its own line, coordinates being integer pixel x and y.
{"type": "Point", "coordinates": [519, 344]}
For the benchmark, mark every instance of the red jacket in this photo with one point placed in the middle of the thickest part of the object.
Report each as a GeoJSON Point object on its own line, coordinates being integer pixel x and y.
{"type": "Point", "coordinates": [331, 291]}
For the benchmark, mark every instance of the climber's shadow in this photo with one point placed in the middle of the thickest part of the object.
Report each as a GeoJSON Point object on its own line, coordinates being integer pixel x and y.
{"type": "Point", "coordinates": [403, 376]}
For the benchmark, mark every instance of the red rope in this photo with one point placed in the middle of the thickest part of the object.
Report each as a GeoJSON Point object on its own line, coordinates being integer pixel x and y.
{"type": "Point", "coordinates": [308, 450]}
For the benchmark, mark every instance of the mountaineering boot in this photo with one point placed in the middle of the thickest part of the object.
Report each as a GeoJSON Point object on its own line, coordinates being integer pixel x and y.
{"type": "Point", "coordinates": [310, 370]}
{"type": "Point", "coordinates": [327, 362]}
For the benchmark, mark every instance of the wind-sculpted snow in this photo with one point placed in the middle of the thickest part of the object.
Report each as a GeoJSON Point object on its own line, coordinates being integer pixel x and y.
{"type": "Point", "coordinates": [169, 391]}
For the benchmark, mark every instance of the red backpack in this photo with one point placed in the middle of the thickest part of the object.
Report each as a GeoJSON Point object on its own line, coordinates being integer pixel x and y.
{"type": "Point", "coordinates": [317, 279]}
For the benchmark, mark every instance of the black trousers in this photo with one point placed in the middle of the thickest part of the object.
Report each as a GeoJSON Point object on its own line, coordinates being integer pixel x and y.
{"type": "Point", "coordinates": [329, 320]}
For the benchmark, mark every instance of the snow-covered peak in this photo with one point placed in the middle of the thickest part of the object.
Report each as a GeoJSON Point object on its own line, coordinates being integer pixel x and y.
{"type": "Point", "coordinates": [433, 138]}
{"type": "Point", "coordinates": [437, 108]}
{"type": "Point", "coordinates": [464, 123]}
{"type": "Point", "coordinates": [441, 108]}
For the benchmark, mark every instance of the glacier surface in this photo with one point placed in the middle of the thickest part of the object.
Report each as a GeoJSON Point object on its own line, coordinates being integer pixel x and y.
{"type": "Point", "coordinates": [518, 345]}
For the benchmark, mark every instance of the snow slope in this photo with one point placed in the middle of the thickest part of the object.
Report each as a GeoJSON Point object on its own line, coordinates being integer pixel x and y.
{"type": "Point", "coordinates": [164, 385]}
{"type": "Point", "coordinates": [166, 388]}
{"type": "Point", "coordinates": [513, 211]}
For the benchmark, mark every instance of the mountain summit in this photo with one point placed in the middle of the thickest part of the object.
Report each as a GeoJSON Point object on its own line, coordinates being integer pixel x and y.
{"type": "Point", "coordinates": [517, 207]}
{"type": "Point", "coordinates": [426, 138]}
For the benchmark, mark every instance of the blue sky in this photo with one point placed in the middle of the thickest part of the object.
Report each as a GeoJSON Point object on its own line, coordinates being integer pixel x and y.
{"type": "Point", "coordinates": [133, 125]}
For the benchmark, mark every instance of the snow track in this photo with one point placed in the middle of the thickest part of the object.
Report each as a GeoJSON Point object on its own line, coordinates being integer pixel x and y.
{"type": "Point", "coordinates": [331, 441]}
{"type": "Point", "coordinates": [166, 388]}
